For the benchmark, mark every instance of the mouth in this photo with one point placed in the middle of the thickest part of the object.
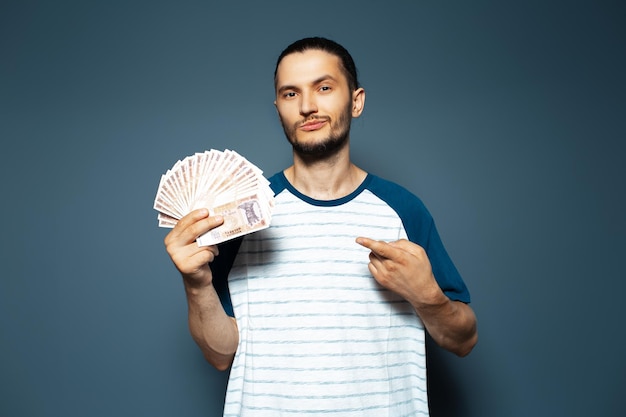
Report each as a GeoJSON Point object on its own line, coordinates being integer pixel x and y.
{"type": "Point", "coordinates": [314, 124]}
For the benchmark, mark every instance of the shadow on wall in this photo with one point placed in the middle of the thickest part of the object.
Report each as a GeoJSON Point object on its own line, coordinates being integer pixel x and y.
{"type": "Point", "coordinates": [445, 397]}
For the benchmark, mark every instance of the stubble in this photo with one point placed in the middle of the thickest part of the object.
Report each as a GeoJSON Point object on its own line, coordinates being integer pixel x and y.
{"type": "Point", "coordinates": [333, 143]}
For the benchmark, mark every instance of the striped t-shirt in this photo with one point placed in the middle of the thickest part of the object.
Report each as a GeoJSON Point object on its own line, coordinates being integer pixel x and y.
{"type": "Point", "coordinates": [318, 336]}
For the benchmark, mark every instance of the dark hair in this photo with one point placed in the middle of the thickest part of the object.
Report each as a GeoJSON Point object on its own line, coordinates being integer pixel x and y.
{"type": "Point", "coordinates": [326, 45]}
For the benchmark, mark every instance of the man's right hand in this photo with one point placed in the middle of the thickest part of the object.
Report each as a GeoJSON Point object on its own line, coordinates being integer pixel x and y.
{"type": "Point", "coordinates": [213, 330]}
{"type": "Point", "coordinates": [190, 259]}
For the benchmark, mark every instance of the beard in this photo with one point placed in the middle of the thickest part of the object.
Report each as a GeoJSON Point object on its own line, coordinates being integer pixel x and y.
{"type": "Point", "coordinates": [328, 146]}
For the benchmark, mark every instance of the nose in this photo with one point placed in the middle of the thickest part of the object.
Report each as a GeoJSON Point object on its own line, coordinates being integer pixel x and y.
{"type": "Point", "coordinates": [308, 104]}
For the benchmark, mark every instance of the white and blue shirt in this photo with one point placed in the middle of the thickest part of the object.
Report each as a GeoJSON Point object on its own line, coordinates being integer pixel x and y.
{"type": "Point", "coordinates": [318, 336]}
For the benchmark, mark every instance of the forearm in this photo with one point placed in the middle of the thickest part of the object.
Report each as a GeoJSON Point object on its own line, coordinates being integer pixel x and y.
{"type": "Point", "coordinates": [451, 324]}
{"type": "Point", "coordinates": [212, 329]}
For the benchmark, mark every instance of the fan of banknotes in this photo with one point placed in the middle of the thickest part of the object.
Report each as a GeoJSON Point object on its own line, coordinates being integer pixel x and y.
{"type": "Point", "coordinates": [224, 182]}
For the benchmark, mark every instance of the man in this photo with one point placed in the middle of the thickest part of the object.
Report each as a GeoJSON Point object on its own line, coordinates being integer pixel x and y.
{"type": "Point", "coordinates": [325, 312]}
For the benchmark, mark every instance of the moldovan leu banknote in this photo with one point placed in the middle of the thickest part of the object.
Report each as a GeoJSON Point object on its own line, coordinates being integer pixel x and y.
{"type": "Point", "coordinates": [226, 183]}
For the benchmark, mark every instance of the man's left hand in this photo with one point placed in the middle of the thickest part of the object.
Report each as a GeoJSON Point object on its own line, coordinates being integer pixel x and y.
{"type": "Point", "coordinates": [403, 267]}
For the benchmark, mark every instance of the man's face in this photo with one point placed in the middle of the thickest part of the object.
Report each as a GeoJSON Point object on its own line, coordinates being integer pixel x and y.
{"type": "Point", "coordinates": [314, 102]}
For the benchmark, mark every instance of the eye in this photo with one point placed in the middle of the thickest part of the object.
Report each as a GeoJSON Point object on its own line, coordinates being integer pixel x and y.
{"type": "Point", "coordinates": [289, 94]}
{"type": "Point", "coordinates": [325, 88]}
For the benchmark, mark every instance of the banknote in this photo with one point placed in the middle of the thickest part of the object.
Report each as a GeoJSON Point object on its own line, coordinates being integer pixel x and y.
{"type": "Point", "coordinates": [224, 182]}
{"type": "Point", "coordinates": [242, 216]}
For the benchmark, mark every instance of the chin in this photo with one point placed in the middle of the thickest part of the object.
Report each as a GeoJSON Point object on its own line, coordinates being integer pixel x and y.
{"type": "Point", "coordinates": [319, 149]}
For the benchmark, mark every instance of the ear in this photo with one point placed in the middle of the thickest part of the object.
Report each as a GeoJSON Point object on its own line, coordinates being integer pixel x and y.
{"type": "Point", "coordinates": [276, 108]}
{"type": "Point", "coordinates": [358, 101]}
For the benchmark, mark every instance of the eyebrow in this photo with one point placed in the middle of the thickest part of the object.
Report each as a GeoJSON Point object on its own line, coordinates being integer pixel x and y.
{"type": "Point", "coordinates": [314, 82]}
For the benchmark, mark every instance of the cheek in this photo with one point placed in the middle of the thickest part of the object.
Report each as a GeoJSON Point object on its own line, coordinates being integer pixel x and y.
{"type": "Point", "coordinates": [288, 127]}
{"type": "Point", "coordinates": [286, 114]}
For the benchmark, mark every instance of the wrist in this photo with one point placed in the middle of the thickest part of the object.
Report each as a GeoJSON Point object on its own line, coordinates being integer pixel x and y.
{"type": "Point", "coordinates": [195, 285]}
{"type": "Point", "coordinates": [430, 299]}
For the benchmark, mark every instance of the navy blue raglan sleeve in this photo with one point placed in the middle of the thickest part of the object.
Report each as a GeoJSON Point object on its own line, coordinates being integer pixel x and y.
{"type": "Point", "coordinates": [220, 267]}
{"type": "Point", "coordinates": [420, 229]}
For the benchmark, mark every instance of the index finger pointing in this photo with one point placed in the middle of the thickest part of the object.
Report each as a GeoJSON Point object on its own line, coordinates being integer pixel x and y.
{"type": "Point", "coordinates": [380, 248]}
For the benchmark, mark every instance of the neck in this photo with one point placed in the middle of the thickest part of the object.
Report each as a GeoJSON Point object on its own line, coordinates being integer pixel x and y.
{"type": "Point", "coordinates": [325, 179]}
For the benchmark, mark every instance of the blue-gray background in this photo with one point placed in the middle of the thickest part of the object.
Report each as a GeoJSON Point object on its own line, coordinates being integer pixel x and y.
{"type": "Point", "coordinates": [507, 118]}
